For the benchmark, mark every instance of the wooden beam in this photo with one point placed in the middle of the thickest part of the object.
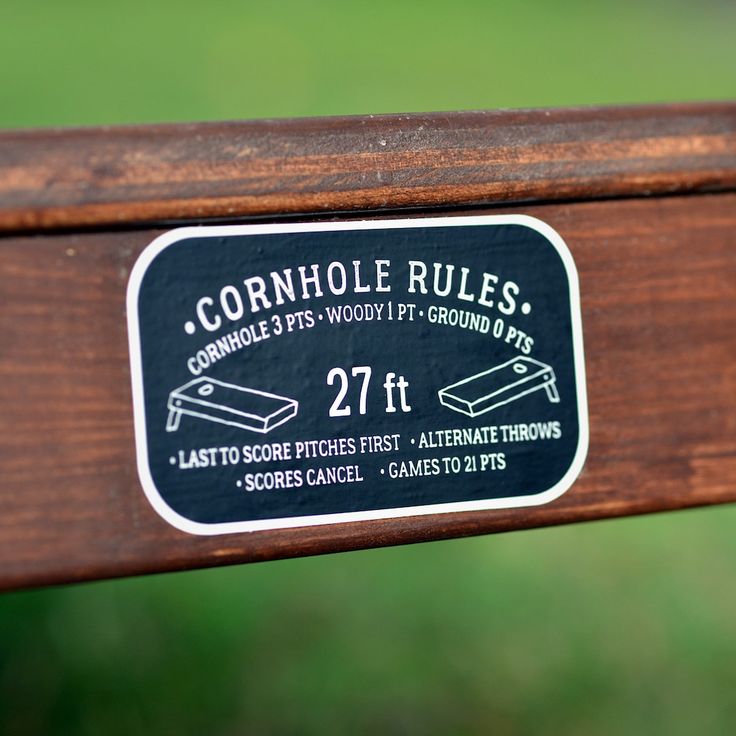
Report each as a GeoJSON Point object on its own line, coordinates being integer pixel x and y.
{"type": "Point", "coordinates": [658, 287]}
{"type": "Point", "coordinates": [51, 179]}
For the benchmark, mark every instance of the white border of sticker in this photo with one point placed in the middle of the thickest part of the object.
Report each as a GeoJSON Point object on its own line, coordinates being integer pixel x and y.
{"type": "Point", "coordinates": [184, 233]}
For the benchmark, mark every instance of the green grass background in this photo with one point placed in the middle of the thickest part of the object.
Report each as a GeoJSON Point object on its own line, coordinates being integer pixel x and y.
{"type": "Point", "coordinates": [609, 628]}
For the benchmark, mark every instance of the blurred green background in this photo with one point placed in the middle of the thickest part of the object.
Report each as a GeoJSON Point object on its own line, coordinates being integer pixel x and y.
{"type": "Point", "coordinates": [610, 628]}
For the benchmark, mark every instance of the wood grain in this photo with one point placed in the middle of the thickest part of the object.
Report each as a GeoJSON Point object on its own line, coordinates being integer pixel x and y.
{"type": "Point", "coordinates": [52, 179]}
{"type": "Point", "coordinates": [658, 282]}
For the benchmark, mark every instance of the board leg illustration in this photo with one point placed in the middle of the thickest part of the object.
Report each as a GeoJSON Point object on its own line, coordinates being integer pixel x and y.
{"type": "Point", "coordinates": [173, 420]}
{"type": "Point", "coordinates": [552, 393]}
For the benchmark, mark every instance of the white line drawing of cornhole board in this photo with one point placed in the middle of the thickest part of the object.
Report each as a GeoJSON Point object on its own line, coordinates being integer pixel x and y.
{"type": "Point", "coordinates": [227, 403]}
{"type": "Point", "coordinates": [500, 385]}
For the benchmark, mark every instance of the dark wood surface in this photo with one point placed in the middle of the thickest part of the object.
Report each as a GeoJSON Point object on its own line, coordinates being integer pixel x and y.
{"type": "Point", "coordinates": [51, 179]}
{"type": "Point", "coordinates": [658, 283]}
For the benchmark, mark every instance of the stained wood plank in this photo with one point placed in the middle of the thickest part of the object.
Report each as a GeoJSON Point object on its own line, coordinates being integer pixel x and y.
{"type": "Point", "coordinates": [74, 178]}
{"type": "Point", "coordinates": [658, 281]}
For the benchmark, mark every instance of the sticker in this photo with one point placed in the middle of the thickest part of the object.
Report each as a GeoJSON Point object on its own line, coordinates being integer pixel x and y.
{"type": "Point", "coordinates": [293, 375]}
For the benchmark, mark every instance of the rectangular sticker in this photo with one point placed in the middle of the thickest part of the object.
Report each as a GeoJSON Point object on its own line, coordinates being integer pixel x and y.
{"type": "Point", "coordinates": [292, 375]}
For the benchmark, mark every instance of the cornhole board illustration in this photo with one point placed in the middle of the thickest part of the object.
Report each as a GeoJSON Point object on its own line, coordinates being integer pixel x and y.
{"type": "Point", "coordinates": [500, 385]}
{"type": "Point", "coordinates": [227, 403]}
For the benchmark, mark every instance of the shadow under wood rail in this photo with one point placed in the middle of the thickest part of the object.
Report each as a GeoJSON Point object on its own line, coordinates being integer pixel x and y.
{"type": "Point", "coordinates": [657, 284]}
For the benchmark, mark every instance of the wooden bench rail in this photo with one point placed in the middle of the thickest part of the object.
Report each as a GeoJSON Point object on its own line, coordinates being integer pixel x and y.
{"type": "Point", "coordinates": [658, 290]}
{"type": "Point", "coordinates": [110, 176]}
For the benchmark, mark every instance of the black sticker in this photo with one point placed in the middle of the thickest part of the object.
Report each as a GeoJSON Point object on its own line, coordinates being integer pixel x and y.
{"type": "Point", "coordinates": [290, 375]}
